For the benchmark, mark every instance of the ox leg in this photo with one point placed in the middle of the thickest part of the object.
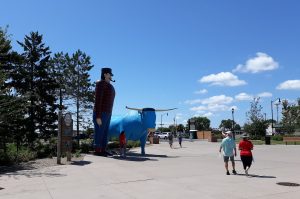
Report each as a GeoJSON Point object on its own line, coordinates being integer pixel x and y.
{"type": "Point", "coordinates": [143, 140]}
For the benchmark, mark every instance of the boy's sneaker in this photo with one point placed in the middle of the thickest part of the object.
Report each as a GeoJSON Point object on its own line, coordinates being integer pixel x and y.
{"type": "Point", "coordinates": [246, 172]}
{"type": "Point", "coordinates": [234, 172]}
{"type": "Point", "coordinates": [227, 173]}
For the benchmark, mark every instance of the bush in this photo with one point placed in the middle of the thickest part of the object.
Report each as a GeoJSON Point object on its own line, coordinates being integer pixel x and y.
{"type": "Point", "coordinates": [257, 137]}
{"type": "Point", "coordinates": [24, 154]}
{"type": "Point", "coordinates": [75, 146]}
{"type": "Point", "coordinates": [277, 137]}
{"type": "Point", "coordinates": [129, 144]}
{"type": "Point", "coordinates": [4, 159]}
{"type": "Point", "coordinates": [46, 149]}
{"type": "Point", "coordinates": [133, 144]}
{"type": "Point", "coordinates": [77, 153]}
{"type": "Point", "coordinates": [86, 145]}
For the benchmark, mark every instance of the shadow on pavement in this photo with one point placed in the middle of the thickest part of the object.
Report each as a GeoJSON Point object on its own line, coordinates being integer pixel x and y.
{"type": "Point", "coordinates": [255, 176]}
{"type": "Point", "coordinates": [132, 156]}
{"type": "Point", "coordinates": [16, 167]}
{"type": "Point", "coordinates": [49, 172]}
{"type": "Point", "coordinates": [80, 163]}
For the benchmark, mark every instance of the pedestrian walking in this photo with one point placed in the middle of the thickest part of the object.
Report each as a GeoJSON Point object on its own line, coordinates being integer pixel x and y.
{"type": "Point", "coordinates": [246, 147]}
{"type": "Point", "coordinates": [229, 151]}
{"type": "Point", "coordinates": [171, 140]}
{"type": "Point", "coordinates": [180, 138]}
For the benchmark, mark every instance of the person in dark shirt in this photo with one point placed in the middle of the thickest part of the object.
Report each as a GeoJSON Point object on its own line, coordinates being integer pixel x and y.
{"type": "Point", "coordinates": [180, 138]}
{"type": "Point", "coordinates": [171, 140]}
{"type": "Point", "coordinates": [104, 100]}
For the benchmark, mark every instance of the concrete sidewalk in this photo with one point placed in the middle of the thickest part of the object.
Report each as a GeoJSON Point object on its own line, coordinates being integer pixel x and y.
{"type": "Point", "coordinates": [194, 171]}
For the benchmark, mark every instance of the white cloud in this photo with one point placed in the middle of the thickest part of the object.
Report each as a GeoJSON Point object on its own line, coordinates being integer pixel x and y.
{"type": "Point", "coordinates": [203, 91]}
{"type": "Point", "coordinates": [264, 94]}
{"type": "Point", "coordinates": [178, 116]}
{"type": "Point", "coordinates": [218, 99]}
{"type": "Point", "coordinates": [243, 97]}
{"type": "Point", "coordinates": [249, 97]}
{"type": "Point", "coordinates": [198, 109]}
{"type": "Point", "coordinates": [218, 107]}
{"type": "Point", "coordinates": [211, 107]}
{"type": "Point", "coordinates": [222, 79]}
{"type": "Point", "coordinates": [218, 103]}
{"type": "Point", "coordinates": [289, 85]}
{"type": "Point", "coordinates": [209, 114]}
{"type": "Point", "coordinates": [262, 62]}
{"type": "Point", "coordinates": [191, 102]}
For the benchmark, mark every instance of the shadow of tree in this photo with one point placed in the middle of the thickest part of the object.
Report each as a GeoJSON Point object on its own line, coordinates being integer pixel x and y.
{"type": "Point", "coordinates": [48, 172]}
{"type": "Point", "coordinates": [16, 167]}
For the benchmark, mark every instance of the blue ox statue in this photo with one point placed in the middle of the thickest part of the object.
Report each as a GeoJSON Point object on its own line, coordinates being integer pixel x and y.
{"type": "Point", "coordinates": [135, 124]}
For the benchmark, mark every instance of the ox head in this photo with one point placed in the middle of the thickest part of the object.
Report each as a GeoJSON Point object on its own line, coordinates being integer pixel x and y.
{"type": "Point", "coordinates": [148, 115]}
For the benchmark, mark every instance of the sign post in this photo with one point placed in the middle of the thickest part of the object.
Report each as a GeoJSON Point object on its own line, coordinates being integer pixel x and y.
{"type": "Point", "coordinates": [67, 134]}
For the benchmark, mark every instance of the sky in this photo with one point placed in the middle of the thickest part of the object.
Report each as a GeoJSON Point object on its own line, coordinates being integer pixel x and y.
{"type": "Point", "coordinates": [203, 57]}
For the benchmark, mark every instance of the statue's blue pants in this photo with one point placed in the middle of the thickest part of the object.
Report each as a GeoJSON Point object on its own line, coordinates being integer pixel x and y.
{"type": "Point", "coordinates": [101, 132]}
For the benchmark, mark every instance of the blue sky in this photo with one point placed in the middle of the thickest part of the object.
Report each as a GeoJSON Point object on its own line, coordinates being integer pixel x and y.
{"type": "Point", "coordinates": [202, 56]}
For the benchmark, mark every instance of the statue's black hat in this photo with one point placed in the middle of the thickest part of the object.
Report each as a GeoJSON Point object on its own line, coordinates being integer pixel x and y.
{"type": "Point", "coordinates": [106, 70]}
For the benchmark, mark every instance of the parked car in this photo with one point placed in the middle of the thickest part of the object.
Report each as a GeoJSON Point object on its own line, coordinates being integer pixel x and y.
{"type": "Point", "coordinates": [156, 134]}
{"type": "Point", "coordinates": [164, 135]}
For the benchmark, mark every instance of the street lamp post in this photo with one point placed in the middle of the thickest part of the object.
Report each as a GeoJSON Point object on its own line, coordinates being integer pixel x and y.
{"type": "Point", "coordinates": [233, 133]}
{"type": "Point", "coordinates": [161, 124]}
{"type": "Point", "coordinates": [272, 111]}
{"type": "Point", "coordinates": [277, 104]}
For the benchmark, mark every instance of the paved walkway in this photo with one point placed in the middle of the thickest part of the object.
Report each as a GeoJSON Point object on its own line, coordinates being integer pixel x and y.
{"type": "Point", "coordinates": [194, 171]}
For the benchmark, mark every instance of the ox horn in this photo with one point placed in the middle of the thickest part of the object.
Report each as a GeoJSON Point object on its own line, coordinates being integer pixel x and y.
{"type": "Point", "coordinates": [170, 109]}
{"type": "Point", "coordinates": [135, 109]}
{"type": "Point", "coordinates": [158, 110]}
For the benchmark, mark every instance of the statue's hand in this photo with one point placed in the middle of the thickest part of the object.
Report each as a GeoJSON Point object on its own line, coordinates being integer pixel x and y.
{"type": "Point", "coordinates": [99, 122]}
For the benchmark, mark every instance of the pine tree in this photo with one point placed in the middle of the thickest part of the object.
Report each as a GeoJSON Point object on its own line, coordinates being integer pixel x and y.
{"type": "Point", "coordinates": [31, 79]}
{"type": "Point", "coordinates": [12, 105]}
{"type": "Point", "coordinates": [80, 88]}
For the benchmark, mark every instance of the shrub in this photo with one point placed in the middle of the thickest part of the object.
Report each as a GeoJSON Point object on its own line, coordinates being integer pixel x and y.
{"type": "Point", "coordinates": [129, 144]}
{"type": "Point", "coordinates": [132, 144]}
{"type": "Point", "coordinates": [46, 148]}
{"type": "Point", "coordinates": [24, 154]}
{"type": "Point", "coordinates": [277, 137]}
{"type": "Point", "coordinates": [4, 159]}
{"type": "Point", "coordinates": [257, 137]}
{"type": "Point", "coordinates": [86, 145]}
{"type": "Point", "coordinates": [77, 153]}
